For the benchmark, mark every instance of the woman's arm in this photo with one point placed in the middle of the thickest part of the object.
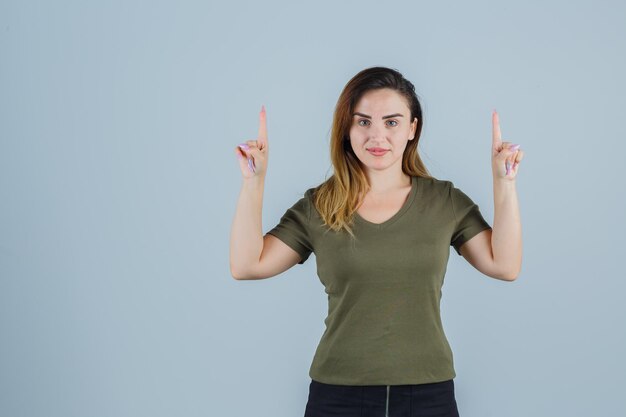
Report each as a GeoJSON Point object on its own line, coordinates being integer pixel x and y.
{"type": "Point", "coordinates": [506, 237]}
{"type": "Point", "coordinates": [252, 255]}
{"type": "Point", "coordinates": [498, 252]}
{"type": "Point", "coordinates": [246, 236]}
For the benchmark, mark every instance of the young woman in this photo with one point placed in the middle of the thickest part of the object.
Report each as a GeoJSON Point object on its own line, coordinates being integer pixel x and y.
{"type": "Point", "coordinates": [381, 228]}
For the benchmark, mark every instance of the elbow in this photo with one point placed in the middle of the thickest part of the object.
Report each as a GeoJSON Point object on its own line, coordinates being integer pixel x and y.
{"type": "Point", "coordinates": [239, 270]}
{"type": "Point", "coordinates": [240, 275]}
{"type": "Point", "coordinates": [508, 273]}
{"type": "Point", "coordinates": [233, 270]}
{"type": "Point", "coordinates": [242, 270]}
{"type": "Point", "coordinates": [236, 273]}
{"type": "Point", "coordinates": [510, 276]}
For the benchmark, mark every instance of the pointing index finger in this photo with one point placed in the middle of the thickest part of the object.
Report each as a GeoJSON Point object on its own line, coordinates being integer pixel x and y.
{"type": "Point", "coordinates": [262, 139]}
{"type": "Point", "coordinates": [497, 136]}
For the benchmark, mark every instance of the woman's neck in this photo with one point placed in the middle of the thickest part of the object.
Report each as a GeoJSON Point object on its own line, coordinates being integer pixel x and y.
{"type": "Point", "coordinates": [382, 183]}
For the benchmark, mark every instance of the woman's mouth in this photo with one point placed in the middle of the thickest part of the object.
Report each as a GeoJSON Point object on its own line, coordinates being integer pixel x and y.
{"type": "Point", "coordinates": [377, 151]}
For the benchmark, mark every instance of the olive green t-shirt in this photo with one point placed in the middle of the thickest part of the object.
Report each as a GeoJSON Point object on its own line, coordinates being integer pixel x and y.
{"type": "Point", "coordinates": [384, 289]}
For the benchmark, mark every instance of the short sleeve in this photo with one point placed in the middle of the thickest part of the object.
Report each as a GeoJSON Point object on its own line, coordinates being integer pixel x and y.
{"type": "Point", "coordinates": [467, 217]}
{"type": "Point", "coordinates": [293, 228]}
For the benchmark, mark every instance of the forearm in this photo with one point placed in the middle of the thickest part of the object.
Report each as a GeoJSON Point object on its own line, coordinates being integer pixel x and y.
{"type": "Point", "coordinates": [246, 238]}
{"type": "Point", "coordinates": [506, 238]}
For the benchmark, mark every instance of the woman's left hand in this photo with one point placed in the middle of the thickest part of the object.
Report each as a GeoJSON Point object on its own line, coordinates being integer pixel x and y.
{"type": "Point", "coordinates": [505, 156]}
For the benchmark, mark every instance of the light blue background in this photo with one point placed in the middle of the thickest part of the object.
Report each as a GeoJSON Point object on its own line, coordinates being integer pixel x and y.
{"type": "Point", "coordinates": [118, 186]}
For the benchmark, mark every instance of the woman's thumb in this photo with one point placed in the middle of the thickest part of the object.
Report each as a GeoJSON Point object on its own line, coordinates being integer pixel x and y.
{"type": "Point", "coordinates": [242, 159]}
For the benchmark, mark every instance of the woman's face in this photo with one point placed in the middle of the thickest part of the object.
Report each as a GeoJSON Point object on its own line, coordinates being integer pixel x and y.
{"type": "Point", "coordinates": [380, 121]}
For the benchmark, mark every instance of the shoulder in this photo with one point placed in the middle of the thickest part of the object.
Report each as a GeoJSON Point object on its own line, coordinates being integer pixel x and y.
{"type": "Point", "coordinates": [309, 193]}
{"type": "Point", "coordinates": [435, 187]}
{"type": "Point", "coordinates": [305, 201]}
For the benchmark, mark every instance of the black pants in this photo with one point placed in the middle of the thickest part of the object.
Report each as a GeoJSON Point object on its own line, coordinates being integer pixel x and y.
{"type": "Point", "coordinates": [421, 400]}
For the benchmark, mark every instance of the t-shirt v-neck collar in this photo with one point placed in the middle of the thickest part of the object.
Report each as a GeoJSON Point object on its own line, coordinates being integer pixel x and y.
{"type": "Point", "coordinates": [407, 204]}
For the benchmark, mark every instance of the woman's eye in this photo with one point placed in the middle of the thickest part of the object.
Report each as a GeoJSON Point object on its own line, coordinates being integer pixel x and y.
{"type": "Point", "coordinates": [390, 121]}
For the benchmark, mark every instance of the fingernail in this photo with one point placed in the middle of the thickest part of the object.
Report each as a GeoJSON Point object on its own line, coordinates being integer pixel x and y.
{"type": "Point", "coordinates": [251, 165]}
{"type": "Point", "coordinates": [514, 147]}
{"type": "Point", "coordinates": [263, 107]}
{"type": "Point", "coordinates": [508, 167]}
{"type": "Point", "coordinates": [244, 146]}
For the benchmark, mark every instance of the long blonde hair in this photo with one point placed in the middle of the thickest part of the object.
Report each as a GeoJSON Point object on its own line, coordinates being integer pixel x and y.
{"type": "Point", "coordinates": [338, 197]}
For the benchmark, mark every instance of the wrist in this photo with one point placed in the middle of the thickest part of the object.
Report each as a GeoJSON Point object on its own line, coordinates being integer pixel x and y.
{"type": "Point", "coordinates": [504, 183]}
{"type": "Point", "coordinates": [254, 182]}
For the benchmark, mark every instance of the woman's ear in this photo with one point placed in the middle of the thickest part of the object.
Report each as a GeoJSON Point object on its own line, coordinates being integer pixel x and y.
{"type": "Point", "coordinates": [413, 128]}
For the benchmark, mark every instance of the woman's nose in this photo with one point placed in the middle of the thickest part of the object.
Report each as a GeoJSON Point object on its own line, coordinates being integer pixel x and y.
{"type": "Point", "coordinates": [377, 132]}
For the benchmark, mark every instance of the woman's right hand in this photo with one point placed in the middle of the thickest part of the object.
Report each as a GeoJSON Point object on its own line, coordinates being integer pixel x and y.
{"type": "Point", "coordinates": [253, 154]}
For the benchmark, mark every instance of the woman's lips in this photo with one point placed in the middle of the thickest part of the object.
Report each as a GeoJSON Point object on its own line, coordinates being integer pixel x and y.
{"type": "Point", "coordinates": [377, 151]}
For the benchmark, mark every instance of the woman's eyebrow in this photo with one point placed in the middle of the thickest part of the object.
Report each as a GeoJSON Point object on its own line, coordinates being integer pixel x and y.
{"type": "Point", "coordinates": [384, 117]}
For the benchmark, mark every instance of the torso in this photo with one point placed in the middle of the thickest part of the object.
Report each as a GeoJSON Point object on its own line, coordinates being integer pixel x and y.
{"type": "Point", "coordinates": [383, 208]}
